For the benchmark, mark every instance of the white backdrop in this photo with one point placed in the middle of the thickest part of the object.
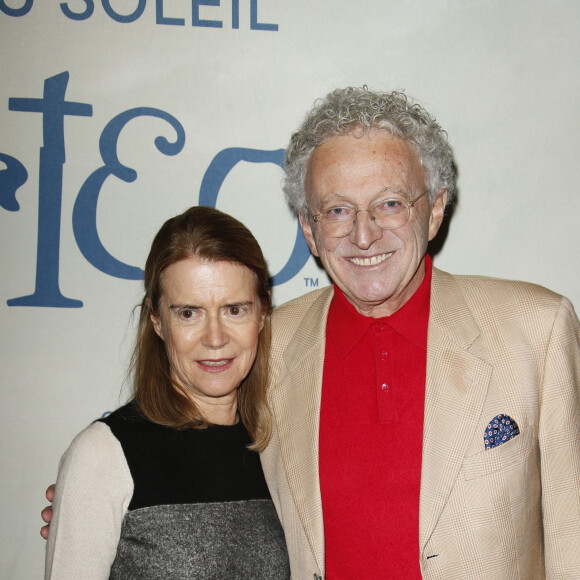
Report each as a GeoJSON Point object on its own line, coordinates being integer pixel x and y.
{"type": "Point", "coordinates": [501, 77]}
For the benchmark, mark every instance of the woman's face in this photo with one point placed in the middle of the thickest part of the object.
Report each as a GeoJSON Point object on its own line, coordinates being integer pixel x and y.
{"type": "Point", "coordinates": [209, 318]}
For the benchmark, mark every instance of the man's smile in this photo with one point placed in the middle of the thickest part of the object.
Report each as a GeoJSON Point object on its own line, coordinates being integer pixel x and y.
{"type": "Point", "coordinates": [372, 260]}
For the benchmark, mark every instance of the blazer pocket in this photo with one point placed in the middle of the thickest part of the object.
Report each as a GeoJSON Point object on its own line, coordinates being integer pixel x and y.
{"type": "Point", "coordinates": [499, 458]}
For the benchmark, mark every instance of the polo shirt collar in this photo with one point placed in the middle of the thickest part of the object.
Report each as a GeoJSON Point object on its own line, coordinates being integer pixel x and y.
{"type": "Point", "coordinates": [346, 326]}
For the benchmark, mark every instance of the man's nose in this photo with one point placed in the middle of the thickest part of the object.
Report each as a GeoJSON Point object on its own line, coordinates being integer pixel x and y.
{"type": "Point", "coordinates": [365, 231]}
{"type": "Point", "coordinates": [215, 334]}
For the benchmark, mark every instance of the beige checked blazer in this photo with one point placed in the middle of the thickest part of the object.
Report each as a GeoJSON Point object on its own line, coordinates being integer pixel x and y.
{"type": "Point", "coordinates": [494, 347]}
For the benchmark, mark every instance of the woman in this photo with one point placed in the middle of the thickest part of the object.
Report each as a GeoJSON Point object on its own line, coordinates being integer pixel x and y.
{"type": "Point", "coordinates": [170, 485]}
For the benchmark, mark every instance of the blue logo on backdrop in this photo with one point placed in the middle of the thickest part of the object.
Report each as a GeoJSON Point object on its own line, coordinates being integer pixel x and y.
{"type": "Point", "coordinates": [210, 8]}
{"type": "Point", "coordinates": [54, 108]}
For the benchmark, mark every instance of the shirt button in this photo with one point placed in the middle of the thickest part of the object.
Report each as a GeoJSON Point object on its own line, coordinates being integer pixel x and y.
{"type": "Point", "coordinates": [384, 355]}
{"type": "Point", "coordinates": [380, 326]}
{"type": "Point", "coordinates": [385, 387]}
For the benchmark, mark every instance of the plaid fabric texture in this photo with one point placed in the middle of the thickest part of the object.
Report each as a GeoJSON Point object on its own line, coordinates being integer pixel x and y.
{"type": "Point", "coordinates": [495, 348]}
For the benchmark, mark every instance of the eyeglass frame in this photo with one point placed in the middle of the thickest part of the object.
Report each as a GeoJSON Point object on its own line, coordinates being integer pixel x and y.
{"type": "Point", "coordinates": [410, 205]}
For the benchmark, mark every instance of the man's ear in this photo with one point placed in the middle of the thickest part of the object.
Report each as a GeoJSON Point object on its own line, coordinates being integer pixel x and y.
{"type": "Point", "coordinates": [437, 213]}
{"type": "Point", "coordinates": [308, 235]}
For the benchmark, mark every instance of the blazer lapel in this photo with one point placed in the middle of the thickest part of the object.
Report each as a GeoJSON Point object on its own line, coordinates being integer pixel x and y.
{"type": "Point", "coordinates": [455, 390]}
{"type": "Point", "coordinates": [296, 407]}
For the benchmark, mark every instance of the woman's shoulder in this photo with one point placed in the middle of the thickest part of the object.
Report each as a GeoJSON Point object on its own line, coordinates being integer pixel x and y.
{"type": "Point", "coordinates": [136, 432]}
{"type": "Point", "coordinates": [94, 445]}
{"type": "Point", "coordinates": [124, 417]}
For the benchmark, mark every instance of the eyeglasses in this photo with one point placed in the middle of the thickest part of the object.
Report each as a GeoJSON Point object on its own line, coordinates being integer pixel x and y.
{"type": "Point", "coordinates": [389, 214]}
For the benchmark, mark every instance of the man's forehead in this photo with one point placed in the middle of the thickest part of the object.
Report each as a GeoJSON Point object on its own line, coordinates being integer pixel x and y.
{"type": "Point", "coordinates": [372, 165]}
{"type": "Point", "coordinates": [352, 148]}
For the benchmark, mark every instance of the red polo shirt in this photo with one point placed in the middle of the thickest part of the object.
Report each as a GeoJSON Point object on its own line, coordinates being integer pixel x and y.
{"type": "Point", "coordinates": [371, 433]}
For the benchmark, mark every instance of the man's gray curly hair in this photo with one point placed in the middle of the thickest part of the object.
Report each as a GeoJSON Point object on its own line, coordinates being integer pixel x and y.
{"type": "Point", "coordinates": [346, 110]}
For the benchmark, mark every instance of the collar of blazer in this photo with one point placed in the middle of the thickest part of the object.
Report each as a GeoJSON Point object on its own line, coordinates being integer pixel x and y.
{"type": "Point", "coordinates": [456, 385]}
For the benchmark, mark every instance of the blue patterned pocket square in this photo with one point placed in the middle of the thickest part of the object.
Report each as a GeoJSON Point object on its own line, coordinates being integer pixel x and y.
{"type": "Point", "coordinates": [500, 429]}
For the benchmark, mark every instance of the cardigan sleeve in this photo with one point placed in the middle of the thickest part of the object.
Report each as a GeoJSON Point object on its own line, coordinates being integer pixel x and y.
{"type": "Point", "coordinates": [93, 491]}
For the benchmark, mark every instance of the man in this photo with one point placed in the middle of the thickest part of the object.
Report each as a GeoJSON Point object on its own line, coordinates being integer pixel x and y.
{"type": "Point", "coordinates": [426, 424]}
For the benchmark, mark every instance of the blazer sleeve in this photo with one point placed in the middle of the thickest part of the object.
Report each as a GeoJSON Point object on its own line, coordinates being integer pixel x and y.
{"type": "Point", "coordinates": [93, 491]}
{"type": "Point", "coordinates": [559, 440]}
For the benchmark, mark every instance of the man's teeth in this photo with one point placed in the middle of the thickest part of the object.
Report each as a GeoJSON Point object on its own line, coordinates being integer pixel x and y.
{"type": "Point", "coordinates": [372, 261]}
{"type": "Point", "coordinates": [215, 363]}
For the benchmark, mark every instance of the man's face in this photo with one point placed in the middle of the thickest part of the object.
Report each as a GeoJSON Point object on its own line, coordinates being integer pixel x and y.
{"type": "Point", "coordinates": [377, 270]}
